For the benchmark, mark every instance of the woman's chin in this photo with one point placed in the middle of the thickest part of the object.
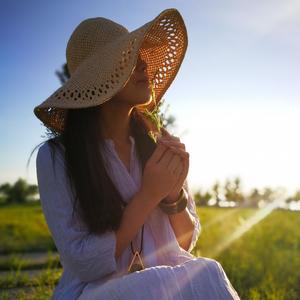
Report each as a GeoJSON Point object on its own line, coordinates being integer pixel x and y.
{"type": "Point", "coordinates": [145, 103]}
{"type": "Point", "coordinates": [143, 98]}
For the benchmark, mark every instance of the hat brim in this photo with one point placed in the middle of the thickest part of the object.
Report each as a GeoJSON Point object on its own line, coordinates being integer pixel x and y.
{"type": "Point", "coordinates": [162, 43]}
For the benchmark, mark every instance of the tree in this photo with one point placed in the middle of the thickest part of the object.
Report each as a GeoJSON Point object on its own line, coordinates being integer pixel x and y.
{"type": "Point", "coordinates": [216, 193]}
{"type": "Point", "coordinates": [295, 197]}
{"type": "Point", "coordinates": [63, 74]}
{"type": "Point", "coordinates": [19, 192]}
{"type": "Point", "coordinates": [201, 199]}
{"type": "Point", "coordinates": [233, 191]}
{"type": "Point", "coordinates": [268, 194]}
{"type": "Point", "coordinates": [254, 198]}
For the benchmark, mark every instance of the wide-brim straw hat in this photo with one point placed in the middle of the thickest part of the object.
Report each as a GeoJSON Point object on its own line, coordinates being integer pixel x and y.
{"type": "Point", "coordinates": [101, 56]}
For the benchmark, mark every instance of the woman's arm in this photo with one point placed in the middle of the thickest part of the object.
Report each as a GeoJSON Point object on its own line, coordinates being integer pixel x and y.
{"type": "Point", "coordinates": [89, 256]}
{"type": "Point", "coordinates": [183, 227]}
{"type": "Point", "coordinates": [134, 216]}
{"type": "Point", "coordinates": [186, 224]}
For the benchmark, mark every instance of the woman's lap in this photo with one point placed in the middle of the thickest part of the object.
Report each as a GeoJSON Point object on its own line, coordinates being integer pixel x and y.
{"type": "Point", "coordinates": [199, 278]}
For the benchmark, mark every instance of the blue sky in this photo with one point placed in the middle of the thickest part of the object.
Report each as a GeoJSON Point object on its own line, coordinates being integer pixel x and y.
{"type": "Point", "coordinates": [235, 97]}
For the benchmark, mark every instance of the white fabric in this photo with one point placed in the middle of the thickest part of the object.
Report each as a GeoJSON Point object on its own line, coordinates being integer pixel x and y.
{"type": "Point", "coordinates": [90, 268]}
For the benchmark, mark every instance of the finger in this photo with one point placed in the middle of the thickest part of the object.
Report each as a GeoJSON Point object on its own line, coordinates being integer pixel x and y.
{"type": "Point", "coordinates": [173, 143]}
{"type": "Point", "coordinates": [167, 136]}
{"type": "Point", "coordinates": [179, 169]}
{"type": "Point", "coordinates": [158, 153]}
{"type": "Point", "coordinates": [174, 163]}
{"type": "Point", "coordinates": [185, 169]}
{"type": "Point", "coordinates": [165, 132]}
{"type": "Point", "coordinates": [182, 171]}
{"type": "Point", "coordinates": [175, 138]}
{"type": "Point", "coordinates": [183, 154]}
{"type": "Point", "coordinates": [187, 165]}
{"type": "Point", "coordinates": [166, 158]}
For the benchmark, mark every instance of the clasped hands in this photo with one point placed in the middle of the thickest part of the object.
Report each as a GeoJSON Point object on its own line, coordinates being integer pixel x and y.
{"type": "Point", "coordinates": [174, 144]}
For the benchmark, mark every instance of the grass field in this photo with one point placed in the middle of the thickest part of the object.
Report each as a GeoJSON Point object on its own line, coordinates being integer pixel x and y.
{"type": "Point", "coordinates": [262, 260]}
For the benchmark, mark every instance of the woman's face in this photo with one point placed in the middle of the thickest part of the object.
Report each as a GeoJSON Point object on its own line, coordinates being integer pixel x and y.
{"type": "Point", "coordinates": [137, 89]}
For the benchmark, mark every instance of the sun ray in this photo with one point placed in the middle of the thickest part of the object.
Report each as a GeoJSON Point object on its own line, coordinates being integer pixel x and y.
{"type": "Point", "coordinates": [247, 225]}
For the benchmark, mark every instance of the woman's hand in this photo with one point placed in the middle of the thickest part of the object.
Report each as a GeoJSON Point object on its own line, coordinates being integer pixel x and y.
{"type": "Point", "coordinates": [177, 147]}
{"type": "Point", "coordinates": [161, 173]}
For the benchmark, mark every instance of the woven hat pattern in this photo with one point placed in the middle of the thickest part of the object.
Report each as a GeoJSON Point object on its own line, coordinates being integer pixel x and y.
{"type": "Point", "coordinates": [101, 56]}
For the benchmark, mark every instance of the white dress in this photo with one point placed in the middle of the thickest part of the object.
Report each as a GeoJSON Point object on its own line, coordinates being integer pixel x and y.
{"type": "Point", "coordinates": [90, 268]}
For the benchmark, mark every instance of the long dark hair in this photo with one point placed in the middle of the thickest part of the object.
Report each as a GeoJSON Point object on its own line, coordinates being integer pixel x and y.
{"type": "Point", "coordinates": [97, 200]}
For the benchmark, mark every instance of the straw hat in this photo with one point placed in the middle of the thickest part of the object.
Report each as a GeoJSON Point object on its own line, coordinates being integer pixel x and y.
{"type": "Point", "coordinates": [101, 56]}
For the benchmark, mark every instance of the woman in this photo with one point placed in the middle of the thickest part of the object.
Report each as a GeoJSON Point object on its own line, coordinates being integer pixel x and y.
{"type": "Point", "coordinates": [115, 198]}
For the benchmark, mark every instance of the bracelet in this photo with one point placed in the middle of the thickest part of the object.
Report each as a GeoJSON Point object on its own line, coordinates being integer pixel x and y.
{"type": "Point", "coordinates": [177, 206]}
{"type": "Point", "coordinates": [174, 203]}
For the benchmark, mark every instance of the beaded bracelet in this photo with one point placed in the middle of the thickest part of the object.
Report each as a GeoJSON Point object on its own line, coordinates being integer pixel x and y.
{"type": "Point", "coordinates": [177, 206]}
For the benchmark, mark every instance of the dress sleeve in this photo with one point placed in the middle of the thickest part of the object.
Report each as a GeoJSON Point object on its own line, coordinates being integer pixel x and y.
{"type": "Point", "coordinates": [192, 209]}
{"type": "Point", "coordinates": [89, 256]}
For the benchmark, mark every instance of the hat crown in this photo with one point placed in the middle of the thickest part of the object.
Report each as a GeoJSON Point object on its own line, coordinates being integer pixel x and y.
{"type": "Point", "coordinates": [90, 35]}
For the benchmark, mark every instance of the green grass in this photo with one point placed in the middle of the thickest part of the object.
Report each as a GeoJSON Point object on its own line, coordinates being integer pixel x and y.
{"type": "Point", "coordinates": [217, 224]}
{"type": "Point", "coordinates": [15, 261]}
{"type": "Point", "coordinates": [23, 229]}
{"type": "Point", "coordinates": [264, 263]}
{"type": "Point", "coordinates": [39, 287]}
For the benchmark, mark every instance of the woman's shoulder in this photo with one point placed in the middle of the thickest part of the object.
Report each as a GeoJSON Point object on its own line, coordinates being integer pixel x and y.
{"type": "Point", "coordinates": [52, 148]}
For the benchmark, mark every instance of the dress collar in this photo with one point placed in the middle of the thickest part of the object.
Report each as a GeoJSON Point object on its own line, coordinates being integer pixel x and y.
{"type": "Point", "coordinates": [111, 142]}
